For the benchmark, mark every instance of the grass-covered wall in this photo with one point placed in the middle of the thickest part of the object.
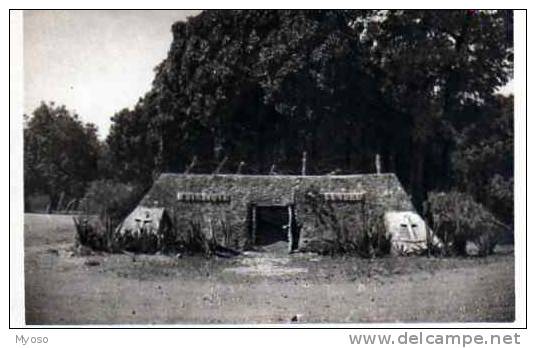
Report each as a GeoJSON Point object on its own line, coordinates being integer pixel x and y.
{"type": "Point", "coordinates": [219, 206]}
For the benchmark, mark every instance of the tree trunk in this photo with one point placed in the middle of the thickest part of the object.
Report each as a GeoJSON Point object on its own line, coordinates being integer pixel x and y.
{"type": "Point", "coordinates": [260, 142]}
{"type": "Point", "coordinates": [159, 159]}
{"type": "Point", "coordinates": [347, 149]}
{"type": "Point", "coordinates": [53, 202]}
{"type": "Point", "coordinates": [417, 173]}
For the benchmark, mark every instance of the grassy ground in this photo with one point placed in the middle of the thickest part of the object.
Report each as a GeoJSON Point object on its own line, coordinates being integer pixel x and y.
{"type": "Point", "coordinates": [62, 288]}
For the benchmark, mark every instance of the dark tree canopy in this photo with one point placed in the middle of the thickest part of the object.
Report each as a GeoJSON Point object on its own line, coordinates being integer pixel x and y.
{"type": "Point", "coordinates": [60, 153]}
{"type": "Point", "coordinates": [263, 86]}
{"type": "Point", "coordinates": [484, 157]}
{"type": "Point", "coordinates": [433, 65]}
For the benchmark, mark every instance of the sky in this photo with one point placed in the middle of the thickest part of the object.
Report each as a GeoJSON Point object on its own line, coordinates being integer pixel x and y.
{"type": "Point", "coordinates": [94, 62]}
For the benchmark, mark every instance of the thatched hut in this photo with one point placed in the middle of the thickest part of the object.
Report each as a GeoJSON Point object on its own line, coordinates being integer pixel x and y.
{"type": "Point", "coordinates": [241, 211]}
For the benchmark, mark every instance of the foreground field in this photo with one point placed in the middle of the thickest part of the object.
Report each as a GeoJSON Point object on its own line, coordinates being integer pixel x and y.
{"type": "Point", "coordinates": [62, 288]}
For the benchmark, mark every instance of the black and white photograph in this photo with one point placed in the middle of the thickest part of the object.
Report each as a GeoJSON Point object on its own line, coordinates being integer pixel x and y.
{"type": "Point", "coordinates": [269, 167]}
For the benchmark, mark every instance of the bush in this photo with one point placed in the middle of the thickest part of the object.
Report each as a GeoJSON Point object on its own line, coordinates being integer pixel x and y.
{"type": "Point", "coordinates": [196, 241]}
{"type": "Point", "coordinates": [457, 219]}
{"type": "Point", "coordinates": [375, 237]}
{"type": "Point", "coordinates": [144, 242]}
{"type": "Point", "coordinates": [500, 198]}
{"type": "Point", "coordinates": [111, 202]}
{"type": "Point", "coordinates": [90, 232]}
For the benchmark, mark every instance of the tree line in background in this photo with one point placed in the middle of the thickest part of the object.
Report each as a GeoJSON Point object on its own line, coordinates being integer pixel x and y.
{"type": "Point", "coordinates": [261, 87]}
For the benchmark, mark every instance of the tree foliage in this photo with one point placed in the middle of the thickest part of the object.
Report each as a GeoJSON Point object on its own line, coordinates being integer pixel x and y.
{"type": "Point", "coordinates": [483, 160]}
{"type": "Point", "coordinates": [60, 153]}
{"type": "Point", "coordinates": [132, 145]}
{"type": "Point", "coordinates": [433, 66]}
{"type": "Point", "coordinates": [262, 87]}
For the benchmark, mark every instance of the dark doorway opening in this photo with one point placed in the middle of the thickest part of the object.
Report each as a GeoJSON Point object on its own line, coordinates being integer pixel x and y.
{"type": "Point", "coordinates": [273, 227]}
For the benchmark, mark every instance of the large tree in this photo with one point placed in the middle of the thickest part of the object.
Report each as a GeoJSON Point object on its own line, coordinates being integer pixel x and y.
{"type": "Point", "coordinates": [264, 86]}
{"type": "Point", "coordinates": [60, 153]}
{"type": "Point", "coordinates": [432, 65]}
{"type": "Point", "coordinates": [133, 143]}
{"type": "Point", "coordinates": [483, 159]}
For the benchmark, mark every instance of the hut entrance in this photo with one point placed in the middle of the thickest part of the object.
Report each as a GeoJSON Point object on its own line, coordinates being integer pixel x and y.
{"type": "Point", "coordinates": [273, 227]}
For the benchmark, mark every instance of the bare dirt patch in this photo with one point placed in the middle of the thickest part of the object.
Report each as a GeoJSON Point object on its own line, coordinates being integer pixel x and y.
{"type": "Point", "coordinates": [64, 288]}
{"type": "Point", "coordinates": [265, 265]}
